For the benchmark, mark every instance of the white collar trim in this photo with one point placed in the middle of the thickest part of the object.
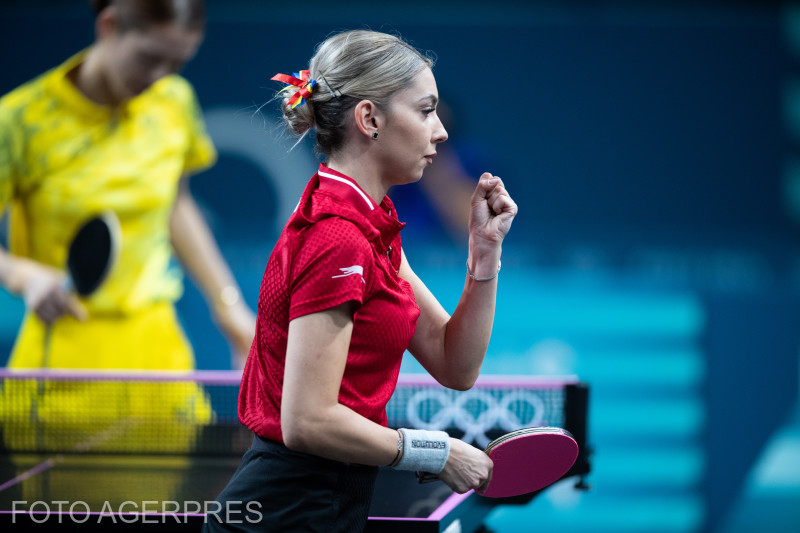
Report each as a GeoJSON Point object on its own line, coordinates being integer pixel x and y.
{"type": "Point", "coordinates": [351, 184]}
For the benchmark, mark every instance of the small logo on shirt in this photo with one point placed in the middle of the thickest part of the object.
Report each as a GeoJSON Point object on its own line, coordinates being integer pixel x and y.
{"type": "Point", "coordinates": [350, 271]}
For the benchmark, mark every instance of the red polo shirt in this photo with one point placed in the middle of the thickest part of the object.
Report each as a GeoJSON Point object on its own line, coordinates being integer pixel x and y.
{"type": "Point", "coordinates": [338, 246]}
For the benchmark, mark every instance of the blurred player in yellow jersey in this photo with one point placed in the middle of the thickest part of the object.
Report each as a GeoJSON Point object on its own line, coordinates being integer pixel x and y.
{"type": "Point", "coordinates": [114, 127]}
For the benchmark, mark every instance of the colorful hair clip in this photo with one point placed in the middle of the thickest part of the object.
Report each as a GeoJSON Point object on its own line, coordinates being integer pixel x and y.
{"type": "Point", "coordinates": [300, 80]}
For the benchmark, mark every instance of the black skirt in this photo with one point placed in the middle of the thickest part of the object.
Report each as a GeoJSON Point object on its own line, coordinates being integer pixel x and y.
{"type": "Point", "coordinates": [276, 489]}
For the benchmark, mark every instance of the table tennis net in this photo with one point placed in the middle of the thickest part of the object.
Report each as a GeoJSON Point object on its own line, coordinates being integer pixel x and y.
{"type": "Point", "coordinates": [195, 414]}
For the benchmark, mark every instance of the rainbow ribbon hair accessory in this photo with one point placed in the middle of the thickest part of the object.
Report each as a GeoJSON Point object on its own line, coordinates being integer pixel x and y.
{"type": "Point", "coordinates": [301, 80]}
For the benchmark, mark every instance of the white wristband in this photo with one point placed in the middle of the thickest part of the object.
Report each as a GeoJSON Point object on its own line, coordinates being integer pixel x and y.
{"type": "Point", "coordinates": [424, 451]}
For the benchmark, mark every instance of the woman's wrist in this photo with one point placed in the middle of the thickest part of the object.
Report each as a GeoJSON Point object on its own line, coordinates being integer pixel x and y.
{"type": "Point", "coordinates": [234, 319]}
{"type": "Point", "coordinates": [483, 264]}
{"type": "Point", "coordinates": [422, 450]}
{"type": "Point", "coordinates": [473, 277]}
{"type": "Point", "coordinates": [226, 298]}
{"type": "Point", "coordinates": [399, 455]}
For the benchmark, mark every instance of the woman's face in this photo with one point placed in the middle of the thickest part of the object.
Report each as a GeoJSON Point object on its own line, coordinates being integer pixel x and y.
{"type": "Point", "coordinates": [412, 130]}
{"type": "Point", "coordinates": [136, 59]}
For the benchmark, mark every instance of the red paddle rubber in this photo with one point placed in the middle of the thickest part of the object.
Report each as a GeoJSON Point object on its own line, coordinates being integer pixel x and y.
{"type": "Point", "coordinates": [530, 462]}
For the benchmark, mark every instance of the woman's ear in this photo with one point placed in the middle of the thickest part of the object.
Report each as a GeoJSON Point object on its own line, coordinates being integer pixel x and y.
{"type": "Point", "coordinates": [367, 118]}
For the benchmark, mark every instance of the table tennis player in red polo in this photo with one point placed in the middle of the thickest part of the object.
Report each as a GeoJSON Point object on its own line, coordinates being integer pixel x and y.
{"type": "Point", "coordinates": [340, 304]}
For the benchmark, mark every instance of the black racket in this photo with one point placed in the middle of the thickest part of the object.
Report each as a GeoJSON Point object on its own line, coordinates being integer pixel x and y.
{"type": "Point", "coordinates": [92, 253]}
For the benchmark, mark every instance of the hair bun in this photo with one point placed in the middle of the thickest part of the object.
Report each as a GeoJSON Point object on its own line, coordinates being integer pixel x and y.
{"type": "Point", "coordinates": [348, 67]}
{"type": "Point", "coordinates": [301, 117]}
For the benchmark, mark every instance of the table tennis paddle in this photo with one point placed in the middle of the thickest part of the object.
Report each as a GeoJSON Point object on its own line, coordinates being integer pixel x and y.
{"type": "Point", "coordinates": [525, 460]}
{"type": "Point", "coordinates": [92, 252]}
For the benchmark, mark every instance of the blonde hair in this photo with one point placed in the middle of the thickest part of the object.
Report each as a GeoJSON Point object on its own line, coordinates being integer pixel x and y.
{"type": "Point", "coordinates": [349, 67]}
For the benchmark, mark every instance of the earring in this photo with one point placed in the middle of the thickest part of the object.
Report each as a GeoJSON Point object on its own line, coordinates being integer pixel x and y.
{"type": "Point", "coordinates": [375, 135]}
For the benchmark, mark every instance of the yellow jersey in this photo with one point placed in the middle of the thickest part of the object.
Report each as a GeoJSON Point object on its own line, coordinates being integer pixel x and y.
{"type": "Point", "coordinates": [64, 159]}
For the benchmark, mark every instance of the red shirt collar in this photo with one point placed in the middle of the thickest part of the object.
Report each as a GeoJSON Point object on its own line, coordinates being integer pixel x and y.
{"type": "Point", "coordinates": [335, 185]}
{"type": "Point", "coordinates": [345, 187]}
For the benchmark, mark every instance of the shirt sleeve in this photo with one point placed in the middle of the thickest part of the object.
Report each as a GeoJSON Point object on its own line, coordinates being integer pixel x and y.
{"type": "Point", "coordinates": [331, 267]}
{"type": "Point", "coordinates": [10, 156]}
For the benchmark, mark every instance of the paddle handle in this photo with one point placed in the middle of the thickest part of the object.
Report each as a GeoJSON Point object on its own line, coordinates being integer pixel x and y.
{"type": "Point", "coordinates": [426, 477]}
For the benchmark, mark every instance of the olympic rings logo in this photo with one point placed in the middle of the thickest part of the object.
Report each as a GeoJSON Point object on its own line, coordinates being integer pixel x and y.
{"type": "Point", "coordinates": [474, 412]}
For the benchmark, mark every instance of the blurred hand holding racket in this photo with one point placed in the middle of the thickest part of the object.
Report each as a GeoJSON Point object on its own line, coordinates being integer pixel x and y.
{"type": "Point", "coordinates": [50, 292]}
{"type": "Point", "coordinates": [525, 460]}
{"type": "Point", "coordinates": [92, 253]}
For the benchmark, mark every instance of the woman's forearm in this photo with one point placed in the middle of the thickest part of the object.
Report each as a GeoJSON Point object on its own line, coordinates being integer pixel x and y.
{"type": "Point", "coordinates": [196, 248]}
{"type": "Point", "coordinates": [40, 286]}
{"type": "Point", "coordinates": [469, 329]}
{"type": "Point", "coordinates": [452, 348]}
{"type": "Point", "coordinates": [198, 252]}
{"type": "Point", "coordinates": [312, 419]}
{"type": "Point", "coordinates": [11, 275]}
{"type": "Point", "coordinates": [337, 432]}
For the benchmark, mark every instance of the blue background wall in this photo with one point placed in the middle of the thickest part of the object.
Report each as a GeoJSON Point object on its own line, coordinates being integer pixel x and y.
{"type": "Point", "coordinates": [651, 150]}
